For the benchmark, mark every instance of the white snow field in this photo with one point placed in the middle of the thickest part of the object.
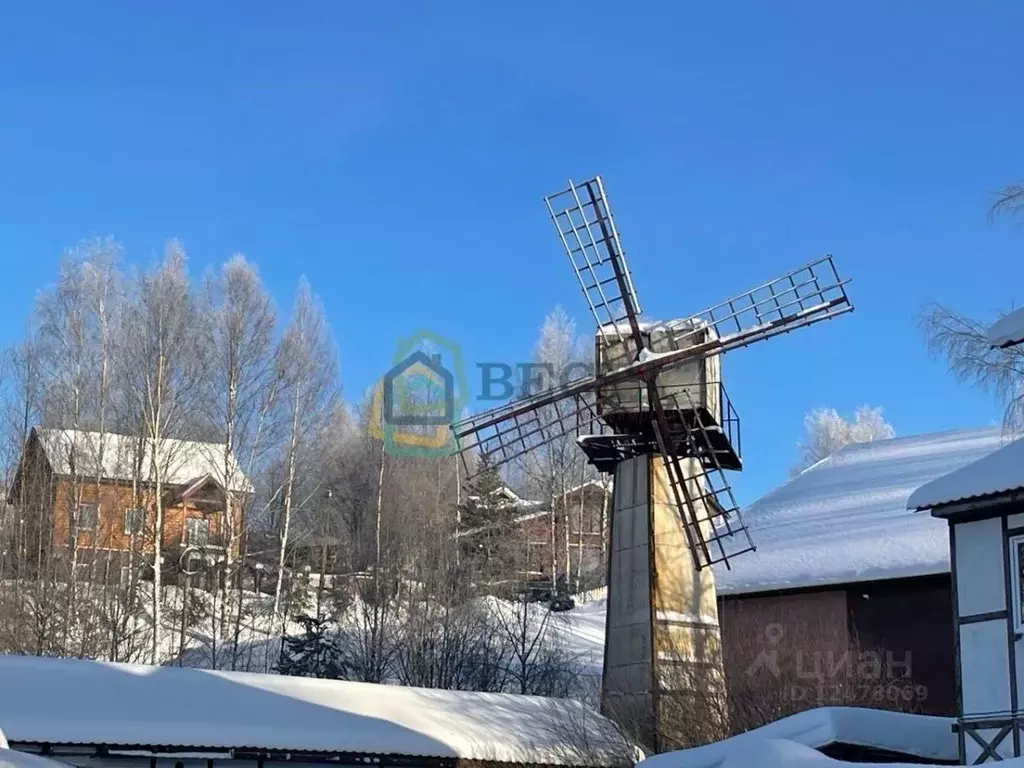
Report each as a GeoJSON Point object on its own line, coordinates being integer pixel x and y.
{"type": "Point", "coordinates": [1007, 330]}
{"type": "Point", "coordinates": [70, 701]}
{"type": "Point", "coordinates": [999, 472]}
{"type": "Point", "coordinates": [845, 518]}
{"type": "Point", "coordinates": [793, 741]}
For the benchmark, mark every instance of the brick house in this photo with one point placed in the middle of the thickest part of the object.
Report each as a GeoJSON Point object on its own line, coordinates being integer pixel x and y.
{"type": "Point", "coordinates": [89, 499]}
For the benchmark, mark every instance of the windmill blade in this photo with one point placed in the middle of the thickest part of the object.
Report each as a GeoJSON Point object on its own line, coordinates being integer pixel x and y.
{"type": "Point", "coordinates": [709, 515]}
{"type": "Point", "coordinates": [509, 432]}
{"type": "Point", "coordinates": [806, 295]}
{"type": "Point", "coordinates": [583, 220]}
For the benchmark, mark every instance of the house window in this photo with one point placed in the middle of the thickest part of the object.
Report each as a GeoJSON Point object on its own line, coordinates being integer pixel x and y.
{"type": "Point", "coordinates": [85, 516]}
{"type": "Point", "coordinates": [197, 531]}
{"type": "Point", "coordinates": [134, 521]}
{"type": "Point", "coordinates": [1017, 564]}
{"type": "Point", "coordinates": [536, 554]}
{"type": "Point", "coordinates": [592, 519]}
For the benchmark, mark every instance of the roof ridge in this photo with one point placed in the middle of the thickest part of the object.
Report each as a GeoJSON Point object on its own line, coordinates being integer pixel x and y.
{"type": "Point", "coordinates": [850, 447]}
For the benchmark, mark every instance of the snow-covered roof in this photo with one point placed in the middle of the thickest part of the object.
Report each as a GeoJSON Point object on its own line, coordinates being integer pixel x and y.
{"type": "Point", "coordinates": [509, 496]}
{"type": "Point", "coordinates": [1007, 330]}
{"type": "Point", "coordinates": [845, 519]}
{"type": "Point", "coordinates": [115, 457]}
{"type": "Point", "coordinates": [678, 324]}
{"type": "Point", "coordinates": [1001, 471]}
{"type": "Point", "coordinates": [10, 758]}
{"type": "Point", "coordinates": [921, 736]}
{"type": "Point", "coordinates": [71, 701]}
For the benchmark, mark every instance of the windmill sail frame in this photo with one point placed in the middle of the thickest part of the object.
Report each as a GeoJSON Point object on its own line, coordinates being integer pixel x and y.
{"type": "Point", "coordinates": [710, 516]}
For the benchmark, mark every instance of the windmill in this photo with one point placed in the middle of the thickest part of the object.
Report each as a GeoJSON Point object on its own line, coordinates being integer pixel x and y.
{"type": "Point", "coordinates": [654, 413]}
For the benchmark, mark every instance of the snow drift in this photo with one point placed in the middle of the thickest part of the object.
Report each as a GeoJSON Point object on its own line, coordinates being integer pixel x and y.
{"type": "Point", "coordinates": [793, 741]}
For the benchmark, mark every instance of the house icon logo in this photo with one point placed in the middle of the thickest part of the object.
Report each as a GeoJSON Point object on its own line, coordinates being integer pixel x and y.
{"type": "Point", "coordinates": [419, 397]}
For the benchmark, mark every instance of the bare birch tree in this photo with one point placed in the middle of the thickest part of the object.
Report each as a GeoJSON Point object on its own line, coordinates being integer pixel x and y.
{"type": "Point", "coordinates": [963, 343]}
{"type": "Point", "coordinates": [242, 389]}
{"type": "Point", "coordinates": [163, 370]}
{"type": "Point", "coordinates": [306, 363]}
{"type": "Point", "coordinates": [551, 469]}
{"type": "Point", "coordinates": [23, 397]}
{"type": "Point", "coordinates": [76, 318]}
{"type": "Point", "coordinates": [1009, 200]}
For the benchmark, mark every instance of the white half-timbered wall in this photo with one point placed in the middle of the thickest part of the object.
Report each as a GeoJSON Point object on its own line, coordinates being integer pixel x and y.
{"type": "Point", "coordinates": [990, 647]}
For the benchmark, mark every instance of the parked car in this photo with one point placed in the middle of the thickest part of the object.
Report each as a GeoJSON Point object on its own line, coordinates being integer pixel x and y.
{"type": "Point", "coordinates": [562, 603]}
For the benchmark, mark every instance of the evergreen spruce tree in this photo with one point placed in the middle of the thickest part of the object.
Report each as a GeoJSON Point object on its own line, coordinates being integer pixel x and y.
{"type": "Point", "coordinates": [314, 653]}
{"type": "Point", "coordinates": [480, 507]}
{"type": "Point", "coordinates": [485, 552]}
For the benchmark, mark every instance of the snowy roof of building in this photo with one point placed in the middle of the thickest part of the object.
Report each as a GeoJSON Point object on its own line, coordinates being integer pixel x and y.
{"type": "Point", "coordinates": [1007, 330]}
{"type": "Point", "coordinates": [71, 701]}
{"type": "Point", "coordinates": [1001, 471]}
{"type": "Point", "coordinates": [845, 518]}
{"type": "Point", "coordinates": [115, 457]}
{"type": "Point", "coordinates": [677, 324]}
{"type": "Point", "coordinates": [10, 758]}
{"type": "Point", "coordinates": [921, 736]}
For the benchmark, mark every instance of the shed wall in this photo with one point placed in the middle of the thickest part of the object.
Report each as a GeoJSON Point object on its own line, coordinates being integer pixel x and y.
{"type": "Point", "coordinates": [776, 649]}
{"type": "Point", "coordinates": [909, 624]}
{"type": "Point", "coordinates": [813, 639]}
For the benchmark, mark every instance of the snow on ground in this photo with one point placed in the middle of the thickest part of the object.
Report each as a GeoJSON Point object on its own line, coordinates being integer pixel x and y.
{"type": "Point", "coordinates": [71, 701]}
{"type": "Point", "coordinates": [999, 472]}
{"type": "Point", "coordinates": [845, 518]}
{"type": "Point", "coordinates": [1007, 330]}
{"type": "Point", "coordinates": [782, 753]}
{"type": "Point", "coordinates": [582, 630]}
{"type": "Point", "coordinates": [793, 741]}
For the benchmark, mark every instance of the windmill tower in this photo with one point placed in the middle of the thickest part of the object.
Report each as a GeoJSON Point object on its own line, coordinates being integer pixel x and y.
{"type": "Point", "coordinates": [655, 415]}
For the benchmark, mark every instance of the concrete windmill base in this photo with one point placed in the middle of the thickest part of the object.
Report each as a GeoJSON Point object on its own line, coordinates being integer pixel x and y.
{"type": "Point", "coordinates": [663, 679]}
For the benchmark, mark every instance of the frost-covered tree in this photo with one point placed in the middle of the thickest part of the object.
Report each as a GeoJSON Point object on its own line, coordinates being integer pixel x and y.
{"type": "Point", "coordinates": [826, 431]}
{"type": "Point", "coordinates": [306, 362]}
{"type": "Point", "coordinates": [241, 388]}
{"type": "Point", "coordinates": [162, 374]}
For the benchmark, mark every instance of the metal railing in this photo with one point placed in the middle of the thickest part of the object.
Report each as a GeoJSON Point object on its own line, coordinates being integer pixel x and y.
{"type": "Point", "coordinates": [714, 410]}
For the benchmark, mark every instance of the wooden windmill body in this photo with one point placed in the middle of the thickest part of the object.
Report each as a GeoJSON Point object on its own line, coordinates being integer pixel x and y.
{"type": "Point", "coordinates": [656, 416]}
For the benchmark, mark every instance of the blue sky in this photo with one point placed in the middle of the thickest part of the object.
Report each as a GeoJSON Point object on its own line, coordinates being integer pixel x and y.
{"type": "Point", "coordinates": [398, 155]}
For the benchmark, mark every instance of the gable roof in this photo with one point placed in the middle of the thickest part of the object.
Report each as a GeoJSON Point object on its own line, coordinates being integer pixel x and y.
{"type": "Point", "coordinates": [71, 701]}
{"type": "Point", "coordinates": [117, 457]}
{"type": "Point", "coordinates": [1001, 471]}
{"type": "Point", "coordinates": [845, 519]}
